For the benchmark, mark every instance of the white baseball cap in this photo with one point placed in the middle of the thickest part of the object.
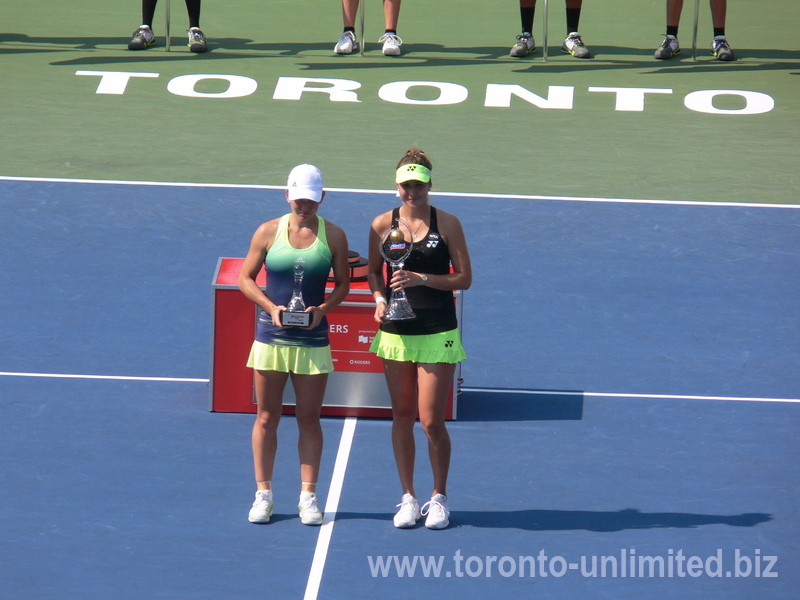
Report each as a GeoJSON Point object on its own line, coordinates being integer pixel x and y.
{"type": "Point", "coordinates": [305, 183]}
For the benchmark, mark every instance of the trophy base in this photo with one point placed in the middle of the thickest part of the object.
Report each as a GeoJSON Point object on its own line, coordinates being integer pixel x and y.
{"type": "Point", "coordinates": [399, 311]}
{"type": "Point", "coordinates": [295, 319]}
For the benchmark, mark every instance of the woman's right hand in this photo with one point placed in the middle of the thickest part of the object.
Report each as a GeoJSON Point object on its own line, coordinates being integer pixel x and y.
{"type": "Point", "coordinates": [380, 312]}
{"type": "Point", "coordinates": [275, 313]}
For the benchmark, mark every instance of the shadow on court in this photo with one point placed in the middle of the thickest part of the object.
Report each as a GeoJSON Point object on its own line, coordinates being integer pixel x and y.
{"type": "Point", "coordinates": [601, 521]}
{"type": "Point", "coordinates": [523, 405]}
{"type": "Point", "coordinates": [606, 57]}
{"type": "Point", "coordinates": [575, 520]}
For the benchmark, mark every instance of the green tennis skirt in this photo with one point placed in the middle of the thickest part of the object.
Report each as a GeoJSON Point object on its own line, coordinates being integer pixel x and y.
{"type": "Point", "coordinates": [442, 347]}
{"type": "Point", "coordinates": [303, 360]}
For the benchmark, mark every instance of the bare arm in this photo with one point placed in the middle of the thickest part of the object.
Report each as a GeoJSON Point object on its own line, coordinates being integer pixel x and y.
{"type": "Point", "coordinates": [453, 234]}
{"type": "Point", "coordinates": [380, 225]}
{"type": "Point", "coordinates": [337, 242]}
{"type": "Point", "coordinates": [253, 262]}
{"type": "Point", "coordinates": [461, 276]}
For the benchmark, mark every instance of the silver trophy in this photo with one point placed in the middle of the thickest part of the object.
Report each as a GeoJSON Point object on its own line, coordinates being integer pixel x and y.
{"type": "Point", "coordinates": [295, 314]}
{"type": "Point", "coordinates": [395, 247]}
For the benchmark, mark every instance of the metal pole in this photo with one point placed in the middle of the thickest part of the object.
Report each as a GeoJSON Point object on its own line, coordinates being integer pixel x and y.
{"type": "Point", "coordinates": [544, 36]}
{"type": "Point", "coordinates": [362, 7]}
{"type": "Point", "coordinates": [167, 24]}
{"type": "Point", "coordinates": [694, 30]}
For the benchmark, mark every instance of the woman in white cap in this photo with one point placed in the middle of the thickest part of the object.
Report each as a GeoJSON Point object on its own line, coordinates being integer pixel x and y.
{"type": "Point", "coordinates": [298, 250]}
{"type": "Point", "coordinates": [420, 355]}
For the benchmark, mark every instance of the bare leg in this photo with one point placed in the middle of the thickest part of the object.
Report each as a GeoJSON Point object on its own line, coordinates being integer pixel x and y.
{"type": "Point", "coordinates": [309, 391]}
{"type": "Point", "coordinates": [719, 12]}
{"type": "Point", "coordinates": [434, 382]}
{"type": "Point", "coordinates": [349, 12]}
{"type": "Point", "coordinates": [420, 389]}
{"type": "Point", "coordinates": [269, 395]}
{"type": "Point", "coordinates": [401, 378]}
{"type": "Point", "coordinates": [674, 9]}
{"type": "Point", "coordinates": [391, 13]}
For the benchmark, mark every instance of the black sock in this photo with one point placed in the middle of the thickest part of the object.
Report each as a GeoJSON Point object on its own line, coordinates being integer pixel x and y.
{"type": "Point", "coordinates": [392, 31]}
{"type": "Point", "coordinates": [193, 8]}
{"type": "Point", "coordinates": [526, 16]}
{"type": "Point", "coordinates": [148, 10]}
{"type": "Point", "coordinates": [719, 31]}
{"type": "Point", "coordinates": [672, 30]}
{"type": "Point", "coordinates": [351, 29]}
{"type": "Point", "coordinates": [573, 18]}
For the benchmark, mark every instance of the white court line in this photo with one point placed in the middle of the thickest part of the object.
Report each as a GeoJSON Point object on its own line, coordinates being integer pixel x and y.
{"type": "Point", "coordinates": [334, 491]}
{"type": "Point", "coordinates": [109, 377]}
{"type": "Point", "coordinates": [394, 192]}
{"type": "Point", "coordinates": [463, 389]}
{"type": "Point", "coordinates": [331, 506]}
{"type": "Point", "coordinates": [635, 396]}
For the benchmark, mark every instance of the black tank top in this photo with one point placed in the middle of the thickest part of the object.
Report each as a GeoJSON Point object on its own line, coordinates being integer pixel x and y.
{"type": "Point", "coordinates": [435, 309]}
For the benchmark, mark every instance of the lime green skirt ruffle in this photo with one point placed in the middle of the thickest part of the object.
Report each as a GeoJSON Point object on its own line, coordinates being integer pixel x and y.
{"type": "Point", "coordinates": [303, 360]}
{"type": "Point", "coordinates": [442, 347]}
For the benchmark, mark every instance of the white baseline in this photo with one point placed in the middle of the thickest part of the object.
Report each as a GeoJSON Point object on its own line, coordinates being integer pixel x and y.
{"type": "Point", "coordinates": [464, 389]}
{"type": "Point", "coordinates": [394, 192]}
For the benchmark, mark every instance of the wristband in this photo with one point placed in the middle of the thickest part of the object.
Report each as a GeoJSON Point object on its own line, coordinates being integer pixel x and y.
{"type": "Point", "coordinates": [380, 299]}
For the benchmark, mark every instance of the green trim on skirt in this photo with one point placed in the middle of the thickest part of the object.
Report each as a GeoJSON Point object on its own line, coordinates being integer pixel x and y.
{"type": "Point", "coordinates": [303, 360]}
{"type": "Point", "coordinates": [442, 347]}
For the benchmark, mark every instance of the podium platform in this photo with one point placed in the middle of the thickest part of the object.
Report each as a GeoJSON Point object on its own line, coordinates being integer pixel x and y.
{"type": "Point", "coordinates": [357, 386]}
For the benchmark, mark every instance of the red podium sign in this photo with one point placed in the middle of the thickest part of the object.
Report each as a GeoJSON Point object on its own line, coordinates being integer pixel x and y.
{"type": "Point", "coordinates": [356, 387]}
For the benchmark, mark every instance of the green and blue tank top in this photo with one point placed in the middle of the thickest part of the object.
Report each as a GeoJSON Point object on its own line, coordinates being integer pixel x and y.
{"type": "Point", "coordinates": [280, 262]}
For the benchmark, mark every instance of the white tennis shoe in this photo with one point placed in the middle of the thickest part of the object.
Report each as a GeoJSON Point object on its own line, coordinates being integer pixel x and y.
{"type": "Point", "coordinates": [391, 44]}
{"type": "Point", "coordinates": [409, 514]}
{"type": "Point", "coordinates": [347, 43]}
{"type": "Point", "coordinates": [438, 514]}
{"type": "Point", "coordinates": [310, 514]}
{"type": "Point", "coordinates": [261, 512]}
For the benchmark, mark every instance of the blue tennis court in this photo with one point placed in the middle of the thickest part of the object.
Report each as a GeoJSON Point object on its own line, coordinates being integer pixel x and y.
{"type": "Point", "coordinates": [628, 422]}
{"type": "Point", "coordinates": [631, 391]}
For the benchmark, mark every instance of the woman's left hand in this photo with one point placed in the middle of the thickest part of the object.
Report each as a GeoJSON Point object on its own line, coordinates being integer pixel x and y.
{"type": "Point", "coordinates": [405, 279]}
{"type": "Point", "coordinates": [316, 316]}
